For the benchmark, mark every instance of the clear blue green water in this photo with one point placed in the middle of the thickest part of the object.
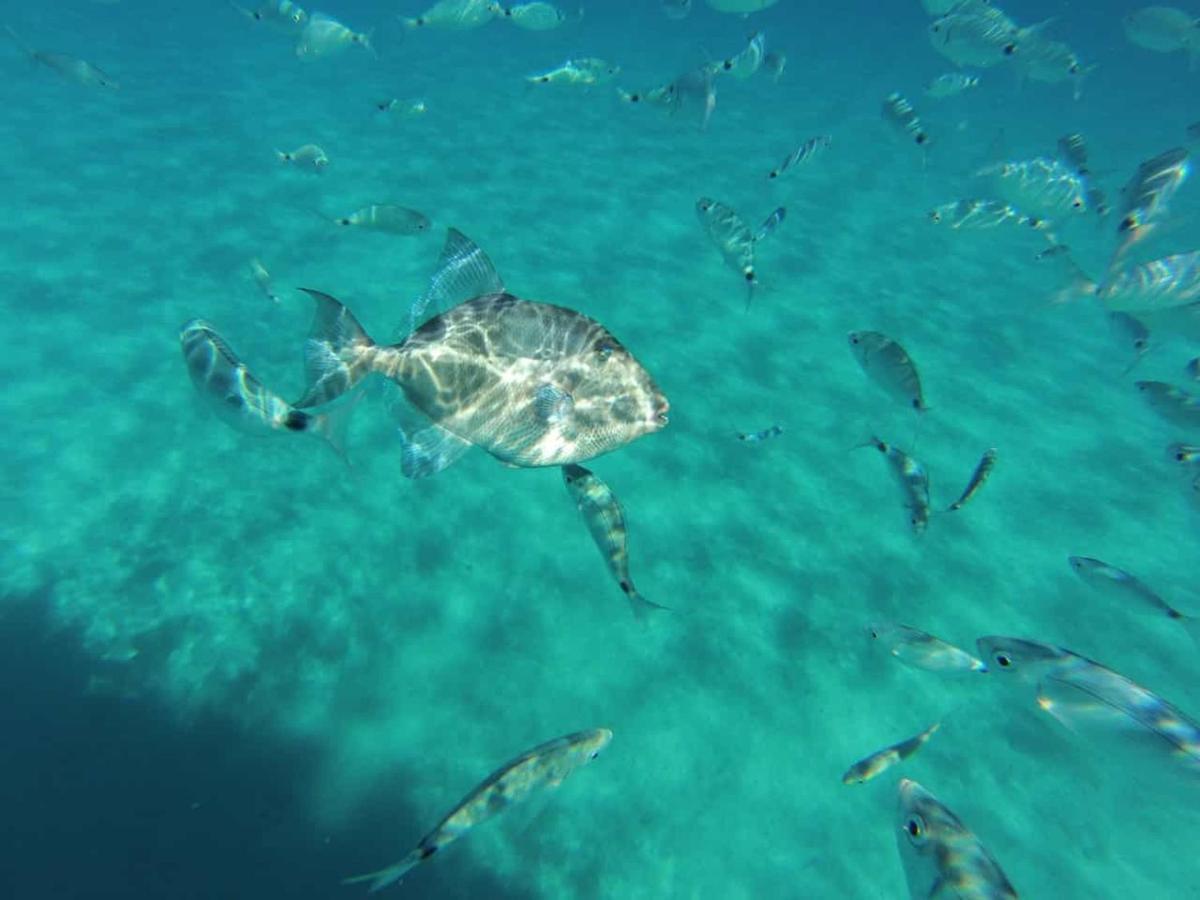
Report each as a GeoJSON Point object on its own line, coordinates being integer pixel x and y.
{"type": "Point", "coordinates": [237, 668]}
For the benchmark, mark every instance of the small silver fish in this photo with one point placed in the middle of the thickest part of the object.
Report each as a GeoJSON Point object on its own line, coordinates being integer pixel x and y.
{"type": "Point", "coordinates": [605, 520]}
{"type": "Point", "coordinates": [1082, 694]}
{"type": "Point", "coordinates": [950, 84]}
{"type": "Point", "coordinates": [913, 481]}
{"type": "Point", "coordinates": [746, 62]}
{"type": "Point", "coordinates": [1132, 331]}
{"type": "Point", "coordinates": [801, 154]}
{"type": "Point", "coordinates": [1041, 187]}
{"type": "Point", "coordinates": [1154, 286]}
{"type": "Point", "coordinates": [732, 237]}
{"type": "Point", "coordinates": [456, 15]}
{"type": "Point", "coordinates": [1146, 196]}
{"type": "Point", "coordinates": [882, 760]}
{"type": "Point", "coordinates": [692, 91]}
{"type": "Point", "coordinates": [978, 214]}
{"type": "Point", "coordinates": [888, 364]}
{"type": "Point", "coordinates": [1164, 29]}
{"type": "Point", "coordinates": [1125, 588]}
{"type": "Point", "coordinates": [900, 114]}
{"type": "Point", "coordinates": [1051, 62]}
{"type": "Point", "coordinates": [283, 15]}
{"type": "Point", "coordinates": [942, 857]}
{"type": "Point", "coordinates": [986, 463]}
{"type": "Point", "coordinates": [262, 278]}
{"type": "Point", "coordinates": [920, 650]}
{"type": "Point", "coordinates": [584, 71]}
{"type": "Point", "coordinates": [754, 437]}
{"type": "Point", "coordinates": [536, 16]}
{"type": "Point", "coordinates": [324, 36]}
{"type": "Point", "coordinates": [79, 71]}
{"type": "Point", "coordinates": [387, 218]}
{"type": "Point", "coordinates": [1172, 404]}
{"type": "Point", "coordinates": [241, 400]}
{"type": "Point", "coordinates": [310, 157]}
{"type": "Point", "coordinates": [1072, 150]}
{"type": "Point", "coordinates": [543, 767]}
{"type": "Point", "coordinates": [404, 109]}
{"type": "Point", "coordinates": [975, 35]}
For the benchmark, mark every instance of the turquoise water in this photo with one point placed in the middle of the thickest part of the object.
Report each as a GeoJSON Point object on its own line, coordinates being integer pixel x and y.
{"type": "Point", "coordinates": [355, 651]}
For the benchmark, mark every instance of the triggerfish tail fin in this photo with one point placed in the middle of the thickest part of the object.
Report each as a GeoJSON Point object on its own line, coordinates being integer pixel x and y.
{"type": "Point", "coordinates": [333, 352]}
{"type": "Point", "coordinates": [393, 873]}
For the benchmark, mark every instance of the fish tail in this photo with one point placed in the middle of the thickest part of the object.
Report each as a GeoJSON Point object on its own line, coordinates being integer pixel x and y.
{"type": "Point", "coordinates": [281, 156]}
{"type": "Point", "coordinates": [332, 352]}
{"type": "Point", "coordinates": [390, 875]}
{"type": "Point", "coordinates": [332, 426]}
{"type": "Point", "coordinates": [641, 607]}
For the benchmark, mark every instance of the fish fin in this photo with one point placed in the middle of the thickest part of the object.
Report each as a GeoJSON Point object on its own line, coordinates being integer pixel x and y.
{"type": "Point", "coordinates": [552, 404]}
{"type": "Point", "coordinates": [332, 425]}
{"type": "Point", "coordinates": [390, 875]}
{"type": "Point", "coordinates": [335, 334]}
{"type": "Point", "coordinates": [640, 606]}
{"type": "Point", "coordinates": [427, 451]}
{"type": "Point", "coordinates": [463, 272]}
{"type": "Point", "coordinates": [770, 223]}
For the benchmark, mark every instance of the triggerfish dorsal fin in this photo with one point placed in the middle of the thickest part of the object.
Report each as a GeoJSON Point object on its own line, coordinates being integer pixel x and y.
{"type": "Point", "coordinates": [463, 272]}
{"type": "Point", "coordinates": [329, 353]}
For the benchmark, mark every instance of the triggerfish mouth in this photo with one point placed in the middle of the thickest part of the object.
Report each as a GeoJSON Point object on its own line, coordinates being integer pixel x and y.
{"type": "Point", "coordinates": [531, 383]}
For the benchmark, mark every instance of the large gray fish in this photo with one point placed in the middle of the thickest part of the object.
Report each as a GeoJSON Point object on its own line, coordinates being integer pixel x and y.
{"type": "Point", "coordinates": [922, 650]}
{"type": "Point", "coordinates": [1080, 692]}
{"type": "Point", "coordinates": [605, 520]}
{"type": "Point", "coordinates": [544, 767]}
{"type": "Point", "coordinates": [1173, 404]}
{"type": "Point", "coordinates": [1126, 588]}
{"type": "Point", "coordinates": [733, 238]}
{"type": "Point", "coordinates": [531, 383]}
{"type": "Point", "coordinates": [79, 71]}
{"type": "Point", "coordinates": [882, 760]}
{"type": "Point", "coordinates": [888, 364]}
{"type": "Point", "coordinates": [1146, 196]}
{"type": "Point", "coordinates": [913, 481]}
{"type": "Point", "coordinates": [242, 400]}
{"type": "Point", "coordinates": [942, 858]}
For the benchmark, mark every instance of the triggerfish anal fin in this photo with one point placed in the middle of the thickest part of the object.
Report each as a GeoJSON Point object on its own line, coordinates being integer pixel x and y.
{"type": "Point", "coordinates": [463, 272]}
{"type": "Point", "coordinates": [335, 334]}
{"type": "Point", "coordinates": [427, 451]}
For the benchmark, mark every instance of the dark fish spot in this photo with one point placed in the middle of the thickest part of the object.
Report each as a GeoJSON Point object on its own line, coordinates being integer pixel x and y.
{"type": "Point", "coordinates": [297, 420]}
{"type": "Point", "coordinates": [237, 401]}
{"type": "Point", "coordinates": [427, 852]}
{"type": "Point", "coordinates": [913, 828]}
{"type": "Point", "coordinates": [627, 587]}
{"type": "Point", "coordinates": [1003, 661]}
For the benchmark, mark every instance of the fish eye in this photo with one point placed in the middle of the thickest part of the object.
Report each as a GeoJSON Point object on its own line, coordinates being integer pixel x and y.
{"type": "Point", "coordinates": [1077, 203]}
{"type": "Point", "coordinates": [915, 829]}
{"type": "Point", "coordinates": [593, 754]}
{"type": "Point", "coordinates": [663, 418]}
{"type": "Point", "coordinates": [1003, 660]}
{"type": "Point", "coordinates": [1010, 49]}
{"type": "Point", "coordinates": [604, 348]}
